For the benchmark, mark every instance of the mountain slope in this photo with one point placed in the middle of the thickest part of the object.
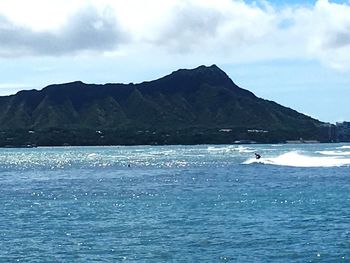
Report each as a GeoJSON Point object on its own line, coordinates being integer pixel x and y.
{"type": "Point", "coordinates": [187, 106]}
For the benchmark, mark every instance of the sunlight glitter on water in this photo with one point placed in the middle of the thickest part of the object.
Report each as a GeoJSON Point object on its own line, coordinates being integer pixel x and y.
{"type": "Point", "coordinates": [175, 203]}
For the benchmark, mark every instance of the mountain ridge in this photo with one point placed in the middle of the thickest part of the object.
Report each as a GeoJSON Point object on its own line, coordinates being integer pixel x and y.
{"type": "Point", "coordinates": [191, 103]}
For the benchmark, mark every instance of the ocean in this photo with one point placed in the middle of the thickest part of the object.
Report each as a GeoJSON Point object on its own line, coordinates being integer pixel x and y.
{"type": "Point", "coordinates": [205, 203]}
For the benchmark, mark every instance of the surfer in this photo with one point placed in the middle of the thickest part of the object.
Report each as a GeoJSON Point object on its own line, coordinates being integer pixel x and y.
{"type": "Point", "coordinates": [257, 156]}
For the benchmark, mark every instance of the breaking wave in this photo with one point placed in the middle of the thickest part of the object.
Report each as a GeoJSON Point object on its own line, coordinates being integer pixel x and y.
{"type": "Point", "coordinates": [296, 159]}
{"type": "Point", "coordinates": [228, 149]}
{"type": "Point", "coordinates": [334, 153]}
{"type": "Point", "coordinates": [344, 147]}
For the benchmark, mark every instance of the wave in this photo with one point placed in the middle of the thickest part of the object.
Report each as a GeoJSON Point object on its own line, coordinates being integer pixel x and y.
{"type": "Point", "coordinates": [334, 153]}
{"type": "Point", "coordinates": [295, 159]}
{"type": "Point", "coordinates": [227, 149]}
{"type": "Point", "coordinates": [344, 147]}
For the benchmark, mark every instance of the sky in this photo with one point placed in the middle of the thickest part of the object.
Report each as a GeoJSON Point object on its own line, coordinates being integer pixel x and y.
{"type": "Point", "coordinates": [296, 53]}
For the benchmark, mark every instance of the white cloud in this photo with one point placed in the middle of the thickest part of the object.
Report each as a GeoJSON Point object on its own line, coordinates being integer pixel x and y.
{"type": "Point", "coordinates": [86, 30]}
{"type": "Point", "coordinates": [224, 30]}
{"type": "Point", "coordinates": [39, 15]}
{"type": "Point", "coordinates": [328, 30]}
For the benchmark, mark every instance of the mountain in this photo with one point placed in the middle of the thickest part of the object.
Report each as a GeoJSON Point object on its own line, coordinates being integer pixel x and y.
{"type": "Point", "coordinates": [202, 105]}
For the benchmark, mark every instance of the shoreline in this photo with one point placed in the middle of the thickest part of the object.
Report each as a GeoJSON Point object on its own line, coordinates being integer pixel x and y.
{"type": "Point", "coordinates": [160, 145]}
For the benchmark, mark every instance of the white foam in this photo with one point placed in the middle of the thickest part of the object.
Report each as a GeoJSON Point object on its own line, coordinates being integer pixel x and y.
{"type": "Point", "coordinates": [216, 149]}
{"type": "Point", "coordinates": [334, 153]}
{"type": "Point", "coordinates": [296, 159]}
{"type": "Point", "coordinates": [226, 149]}
{"type": "Point", "coordinates": [344, 147]}
{"type": "Point", "coordinates": [243, 149]}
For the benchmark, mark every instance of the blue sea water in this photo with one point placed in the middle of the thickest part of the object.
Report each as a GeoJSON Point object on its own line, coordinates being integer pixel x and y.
{"type": "Point", "coordinates": [207, 203]}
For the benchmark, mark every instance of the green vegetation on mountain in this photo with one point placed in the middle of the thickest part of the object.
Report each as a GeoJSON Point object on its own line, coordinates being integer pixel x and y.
{"type": "Point", "coordinates": [202, 105]}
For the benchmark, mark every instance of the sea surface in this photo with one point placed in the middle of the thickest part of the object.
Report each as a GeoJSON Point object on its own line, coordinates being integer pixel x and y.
{"type": "Point", "coordinates": [207, 203]}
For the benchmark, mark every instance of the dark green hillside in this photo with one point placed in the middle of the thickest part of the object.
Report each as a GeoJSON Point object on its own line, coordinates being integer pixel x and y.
{"type": "Point", "coordinates": [202, 105]}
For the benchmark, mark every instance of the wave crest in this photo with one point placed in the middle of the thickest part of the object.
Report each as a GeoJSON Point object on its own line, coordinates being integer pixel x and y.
{"type": "Point", "coordinates": [228, 149]}
{"type": "Point", "coordinates": [296, 159]}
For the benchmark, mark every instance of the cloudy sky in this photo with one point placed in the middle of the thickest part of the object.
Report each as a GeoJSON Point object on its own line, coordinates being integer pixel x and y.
{"type": "Point", "coordinates": [294, 52]}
